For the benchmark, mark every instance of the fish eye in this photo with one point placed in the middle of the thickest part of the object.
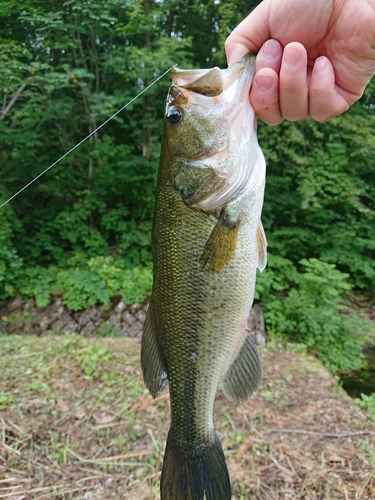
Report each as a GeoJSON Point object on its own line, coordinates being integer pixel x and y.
{"type": "Point", "coordinates": [174, 115]}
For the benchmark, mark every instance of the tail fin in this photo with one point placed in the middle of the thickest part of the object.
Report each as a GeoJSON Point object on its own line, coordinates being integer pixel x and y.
{"type": "Point", "coordinates": [194, 473]}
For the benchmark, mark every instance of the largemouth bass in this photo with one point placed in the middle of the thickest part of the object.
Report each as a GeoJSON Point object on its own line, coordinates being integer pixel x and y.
{"type": "Point", "coordinates": [207, 242]}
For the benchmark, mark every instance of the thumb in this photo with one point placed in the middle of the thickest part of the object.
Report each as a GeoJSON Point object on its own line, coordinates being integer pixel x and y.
{"type": "Point", "coordinates": [249, 35]}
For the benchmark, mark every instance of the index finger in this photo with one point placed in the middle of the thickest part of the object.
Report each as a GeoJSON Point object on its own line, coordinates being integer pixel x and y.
{"type": "Point", "coordinates": [249, 35]}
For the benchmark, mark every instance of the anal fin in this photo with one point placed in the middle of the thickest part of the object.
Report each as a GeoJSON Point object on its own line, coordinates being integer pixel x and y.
{"type": "Point", "coordinates": [222, 243]}
{"type": "Point", "coordinates": [153, 367]}
{"type": "Point", "coordinates": [244, 375]}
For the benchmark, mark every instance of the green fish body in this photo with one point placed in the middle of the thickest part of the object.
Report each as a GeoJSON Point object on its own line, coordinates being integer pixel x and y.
{"type": "Point", "coordinates": [207, 243]}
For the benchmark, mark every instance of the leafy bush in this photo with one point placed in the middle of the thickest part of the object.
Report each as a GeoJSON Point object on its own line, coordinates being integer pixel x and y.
{"type": "Point", "coordinates": [10, 262]}
{"type": "Point", "coordinates": [308, 306]}
{"type": "Point", "coordinates": [92, 282]}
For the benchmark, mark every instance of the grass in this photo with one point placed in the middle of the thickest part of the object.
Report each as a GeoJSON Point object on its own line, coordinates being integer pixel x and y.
{"type": "Point", "coordinates": [77, 423]}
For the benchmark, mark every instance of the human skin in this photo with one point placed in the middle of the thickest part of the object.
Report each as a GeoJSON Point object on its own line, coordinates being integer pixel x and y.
{"type": "Point", "coordinates": [314, 57]}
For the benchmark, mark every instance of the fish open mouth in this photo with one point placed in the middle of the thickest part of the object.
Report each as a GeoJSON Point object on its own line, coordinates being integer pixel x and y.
{"type": "Point", "coordinates": [213, 82]}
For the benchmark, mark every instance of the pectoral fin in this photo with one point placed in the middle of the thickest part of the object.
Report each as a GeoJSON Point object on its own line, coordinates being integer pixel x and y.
{"type": "Point", "coordinates": [261, 247]}
{"type": "Point", "coordinates": [244, 375]}
{"type": "Point", "coordinates": [153, 367]}
{"type": "Point", "coordinates": [221, 245]}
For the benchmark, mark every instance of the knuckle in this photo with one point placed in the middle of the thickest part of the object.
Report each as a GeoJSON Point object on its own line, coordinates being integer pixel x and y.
{"type": "Point", "coordinates": [295, 117]}
{"type": "Point", "coordinates": [270, 117]}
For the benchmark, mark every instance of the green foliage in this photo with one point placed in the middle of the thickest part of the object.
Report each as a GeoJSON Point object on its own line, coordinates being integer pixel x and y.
{"type": "Point", "coordinates": [307, 306]}
{"type": "Point", "coordinates": [320, 194]}
{"type": "Point", "coordinates": [84, 228]}
{"type": "Point", "coordinates": [86, 282]}
{"type": "Point", "coordinates": [367, 402]}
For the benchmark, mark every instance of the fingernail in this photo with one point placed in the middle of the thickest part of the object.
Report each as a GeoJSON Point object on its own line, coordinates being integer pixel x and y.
{"type": "Point", "coordinates": [234, 53]}
{"type": "Point", "coordinates": [271, 49]}
{"type": "Point", "coordinates": [292, 57]}
{"type": "Point", "coordinates": [263, 83]}
{"type": "Point", "coordinates": [320, 65]}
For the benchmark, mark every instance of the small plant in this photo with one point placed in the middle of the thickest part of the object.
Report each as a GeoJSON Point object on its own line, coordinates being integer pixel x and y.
{"type": "Point", "coordinates": [6, 400]}
{"type": "Point", "coordinates": [367, 402]}
{"type": "Point", "coordinates": [105, 329]}
{"type": "Point", "coordinates": [241, 491]}
{"type": "Point", "coordinates": [58, 450]}
{"type": "Point", "coordinates": [88, 355]}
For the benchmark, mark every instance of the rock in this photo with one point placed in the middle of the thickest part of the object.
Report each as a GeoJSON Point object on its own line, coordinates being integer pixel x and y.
{"type": "Point", "coordinates": [121, 329]}
{"type": "Point", "coordinates": [88, 328]}
{"type": "Point", "coordinates": [57, 326]}
{"type": "Point", "coordinates": [15, 303]}
{"type": "Point", "coordinates": [141, 315]}
{"type": "Point", "coordinates": [12, 327]}
{"type": "Point", "coordinates": [85, 317]}
{"type": "Point", "coordinates": [55, 306]}
{"type": "Point", "coordinates": [95, 314]}
{"type": "Point", "coordinates": [120, 307]}
{"type": "Point", "coordinates": [135, 329]}
{"type": "Point", "coordinates": [71, 326]}
{"type": "Point", "coordinates": [65, 318]}
{"type": "Point", "coordinates": [256, 325]}
{"type": "Point", "coordinates": [115, 319]}
{"type": "Point", "coordinates": [134, 308]}
{"type": "Point", "coordinates": [128, 318]}
{"type": "Point", "coordinates": [49, 319]}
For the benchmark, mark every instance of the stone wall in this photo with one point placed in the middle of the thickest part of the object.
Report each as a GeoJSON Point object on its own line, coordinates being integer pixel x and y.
{"type": "Point", "coordinates": [116, 318]}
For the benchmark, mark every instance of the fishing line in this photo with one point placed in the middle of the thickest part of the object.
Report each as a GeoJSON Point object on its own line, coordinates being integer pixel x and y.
{"type": "Point", "coordinates": [85, 139]}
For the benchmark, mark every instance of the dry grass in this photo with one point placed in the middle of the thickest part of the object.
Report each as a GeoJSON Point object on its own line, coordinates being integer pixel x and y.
{"type": "Point", "coordinates": [77, 423]}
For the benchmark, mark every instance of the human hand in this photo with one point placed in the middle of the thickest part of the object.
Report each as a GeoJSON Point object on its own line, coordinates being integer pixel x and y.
{"type": "Point", "coordinates": [313, 57]}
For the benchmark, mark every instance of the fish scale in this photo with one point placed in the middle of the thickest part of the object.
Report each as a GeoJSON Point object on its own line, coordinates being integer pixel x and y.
{"type": "Point", "coordinates": [207, 242]}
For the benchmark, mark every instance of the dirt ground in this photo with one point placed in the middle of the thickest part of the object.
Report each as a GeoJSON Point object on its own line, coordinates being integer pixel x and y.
{"type": "Point", "coordinates": [77, 423]}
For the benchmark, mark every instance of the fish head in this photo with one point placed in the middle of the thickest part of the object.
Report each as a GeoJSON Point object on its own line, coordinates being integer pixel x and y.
{"type": "Point", "coordinates": [209, 129]}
